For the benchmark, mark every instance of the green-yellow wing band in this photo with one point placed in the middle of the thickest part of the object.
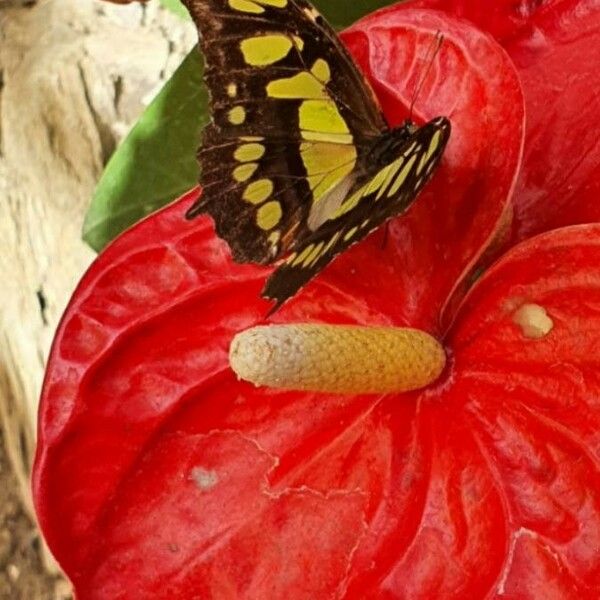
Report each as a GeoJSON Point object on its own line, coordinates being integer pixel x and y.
{"type": "Point", "coordinates": [292, 118]}
{"type": "Point", "coordinates": [403, 171]}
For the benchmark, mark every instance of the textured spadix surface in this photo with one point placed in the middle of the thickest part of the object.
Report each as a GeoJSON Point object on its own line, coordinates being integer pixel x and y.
{"type": "Point", "coordinates": [337, 358]}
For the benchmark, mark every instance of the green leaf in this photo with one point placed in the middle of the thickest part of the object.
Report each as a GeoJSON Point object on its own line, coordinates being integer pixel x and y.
{"type": "Point", "coordinates": [157, 161]}
{"type": "Point", "coordinates": [176, 7]}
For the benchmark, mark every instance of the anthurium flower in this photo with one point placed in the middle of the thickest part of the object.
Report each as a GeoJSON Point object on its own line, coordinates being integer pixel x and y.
{"type": "Point", "coordinates": [160, 475]}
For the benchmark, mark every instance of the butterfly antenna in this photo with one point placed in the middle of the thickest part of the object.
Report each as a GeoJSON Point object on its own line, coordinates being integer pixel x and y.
{"type": "Point", "coordinates": [432, 52]}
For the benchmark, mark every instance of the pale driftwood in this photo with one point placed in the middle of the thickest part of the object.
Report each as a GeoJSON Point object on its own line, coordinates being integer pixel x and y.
{"type": "Point", "coordinates": [75, 75]}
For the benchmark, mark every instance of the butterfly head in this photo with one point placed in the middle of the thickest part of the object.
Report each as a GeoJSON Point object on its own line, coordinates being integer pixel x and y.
{"type": "Point", "coordinates": [391, 142]}
{"type": "Point", "coordinates": [409, 126]}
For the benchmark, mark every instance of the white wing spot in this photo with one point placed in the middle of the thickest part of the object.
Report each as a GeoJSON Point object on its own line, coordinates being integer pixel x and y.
{"type": "Point", "coordinates": [312, 13]}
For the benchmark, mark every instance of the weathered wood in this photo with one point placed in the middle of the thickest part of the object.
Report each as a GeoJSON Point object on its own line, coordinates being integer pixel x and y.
{"type": "Point", "coordinates": [75, 74]}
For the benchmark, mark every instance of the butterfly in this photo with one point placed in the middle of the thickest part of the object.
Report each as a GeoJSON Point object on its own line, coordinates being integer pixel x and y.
{"type": "Point", "coordinates": [298, 162]}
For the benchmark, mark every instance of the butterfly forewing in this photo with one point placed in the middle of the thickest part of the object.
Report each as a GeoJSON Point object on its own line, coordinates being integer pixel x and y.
{"type": "Point", "coordinates": [292, 118]}
{"type": "Point", "coordinates": [386, 192]}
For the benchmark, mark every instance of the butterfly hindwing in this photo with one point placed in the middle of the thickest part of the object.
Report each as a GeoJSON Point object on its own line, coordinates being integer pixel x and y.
{"type": "Point", "coordinates": [292, 117]}
{"type": "Point", "coordinates": [386, 192]}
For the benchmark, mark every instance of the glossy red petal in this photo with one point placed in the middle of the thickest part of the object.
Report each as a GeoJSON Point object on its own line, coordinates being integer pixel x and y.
{"type": "Point", "coordinates": [140, 410]}
{"type": "Point", "coordinates": [555, 46]}
{"type": "Point", "coordinates": [504, 19]}
{"type": "Point", "coordinates": [558, 66]}
{"type": "Point", "coordinates": [472, 81]}
{"type": "Point", "coordinates": [534, 409]}
{"type": "Point", "coordinates": [157, 473]}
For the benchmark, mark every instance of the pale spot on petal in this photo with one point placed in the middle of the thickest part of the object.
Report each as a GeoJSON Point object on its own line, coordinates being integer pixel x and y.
{"type": "Point", "coordinates": [203, 478]}
{"type": "Point", "coordinates": [533, 321]}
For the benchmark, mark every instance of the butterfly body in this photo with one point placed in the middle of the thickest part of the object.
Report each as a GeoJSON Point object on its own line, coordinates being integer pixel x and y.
{"type": "Point", "coordinates": [298, 161]}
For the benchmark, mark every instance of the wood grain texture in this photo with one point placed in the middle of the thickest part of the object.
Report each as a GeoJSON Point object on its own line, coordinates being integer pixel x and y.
{"type": "Point", "coordinates": [74, 76]}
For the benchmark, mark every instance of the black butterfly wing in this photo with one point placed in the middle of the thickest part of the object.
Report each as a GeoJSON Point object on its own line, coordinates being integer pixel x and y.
{"type": "Point", "coordinates": [385, 194]}
{"type": "Point", "coordinates": [292, 118]}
